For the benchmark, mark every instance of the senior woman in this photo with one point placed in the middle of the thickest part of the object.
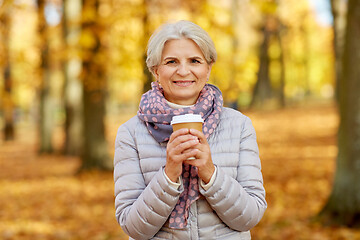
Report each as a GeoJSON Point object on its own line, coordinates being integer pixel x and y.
{"type": "Point", "coordinates": [186, 184]}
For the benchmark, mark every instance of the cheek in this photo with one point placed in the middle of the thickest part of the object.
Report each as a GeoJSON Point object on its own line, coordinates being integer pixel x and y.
{"type": "Point", "coordinates": [203, 74]}
{"type": "Point", "coordinates": [165, 74]}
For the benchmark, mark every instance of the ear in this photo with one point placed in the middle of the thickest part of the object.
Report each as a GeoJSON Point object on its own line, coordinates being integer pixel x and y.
{"type": "Point", "coordinates": [209, 71]}
{"type": "Point", "coordinates": [155, 73]}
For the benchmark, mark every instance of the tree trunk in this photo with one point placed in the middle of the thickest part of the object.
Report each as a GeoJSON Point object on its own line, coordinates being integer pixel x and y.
{"type": "Point", "coordinates": [338, 8]}
{"type": "Point", "coordinates": [232, 88]}
{"type": "Point", "coordinates": [305, 76]}
{"type": "Point", "coordinates": [8, 105]}
{"type": "Point", "coordinates": [343, 206]}
{"type": "Point", "coordinates": [95, 152]}
{"type": "Point", "coordinates": [46, 123]}
{"type": "Point", "coordinates": [147, 74]}
{"type": "Point", "coordinates": [71, 68]}
{"type": "Point", "coordinates": [263, 91]}
{"type": "Point", "coordinates": [278, 34]}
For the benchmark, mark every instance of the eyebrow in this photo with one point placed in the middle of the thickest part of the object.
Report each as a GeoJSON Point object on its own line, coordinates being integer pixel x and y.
{"type": "Point", "coordinates": [197, 57]}
{"type": "Point", "coordinates": [171, 57]}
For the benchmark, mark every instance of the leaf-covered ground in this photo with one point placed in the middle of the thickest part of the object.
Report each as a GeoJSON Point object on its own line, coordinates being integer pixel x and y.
{"type": "Point", "coordinates": [42, 197]}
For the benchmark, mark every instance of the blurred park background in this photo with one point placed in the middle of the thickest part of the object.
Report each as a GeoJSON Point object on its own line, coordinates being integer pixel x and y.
{"type": "Point", "coordinates": [72, 71]}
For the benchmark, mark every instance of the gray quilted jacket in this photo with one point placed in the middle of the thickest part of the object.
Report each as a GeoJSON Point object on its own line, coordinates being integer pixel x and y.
{"type": "Point", "coordinates": [227, 210]}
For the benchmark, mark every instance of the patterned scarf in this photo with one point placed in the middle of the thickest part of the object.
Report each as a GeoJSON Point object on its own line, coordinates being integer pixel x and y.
{"type": "Point", "coordinates": [157, 115]}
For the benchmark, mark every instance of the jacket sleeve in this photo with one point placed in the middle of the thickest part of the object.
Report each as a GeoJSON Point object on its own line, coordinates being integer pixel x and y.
{"type": "Point", "coordinates": [141, 209]}
{"type": "Point", "coordinates": [240, 202]}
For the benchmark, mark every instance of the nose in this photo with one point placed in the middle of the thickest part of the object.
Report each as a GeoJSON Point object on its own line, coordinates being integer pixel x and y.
{"type": "Point", "coordinates": [183, 70]}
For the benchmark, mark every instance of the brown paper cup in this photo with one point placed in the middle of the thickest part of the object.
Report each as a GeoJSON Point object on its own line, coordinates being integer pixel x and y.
{"type": "Point", "coordinates": [189, 121]}
{"type": "Point", "coordinates": [193, 125]}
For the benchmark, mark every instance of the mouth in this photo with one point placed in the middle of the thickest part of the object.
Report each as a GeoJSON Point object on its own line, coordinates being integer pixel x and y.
{"type": "Point", "coordinates": [183, 83]}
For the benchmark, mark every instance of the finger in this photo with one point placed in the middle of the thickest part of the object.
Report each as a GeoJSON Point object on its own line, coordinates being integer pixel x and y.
{"type": "Point", "coordinates": [190, 161]}
{"type": "Point", "coordinates": [193, 160]}
{"type": "Point", "coordinates": [187, 150]}
{"type": "Point", "coordinates": [182, 131]}
{"type": "Point", "coordinates": [181, 157]}
{"type": "Point", "coordinates": [190, 154]}
{"type": "Point", "coordinates": [186, 146]}
{"type": "Point", "coordinates": [183, 139]}
{"type": "Point", "coordinates": [198, 134]}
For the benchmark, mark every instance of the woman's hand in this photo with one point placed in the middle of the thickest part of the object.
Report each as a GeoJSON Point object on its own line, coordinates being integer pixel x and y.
{"type": "Point", "coordinates": [180, 147]}
{"type": "Point", "coordinates": [203, 159]}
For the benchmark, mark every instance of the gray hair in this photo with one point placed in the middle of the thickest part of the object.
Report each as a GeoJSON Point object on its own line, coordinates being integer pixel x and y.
{"type": "Point", "coordinates": [178, 30]}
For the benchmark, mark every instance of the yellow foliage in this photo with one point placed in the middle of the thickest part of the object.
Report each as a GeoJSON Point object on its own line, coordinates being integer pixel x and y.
{"type": "Point", "coordinates": [87, 39]}
{"type": "Point", "coordinates": [266, 6]}
{"type": "Point", "coordinates": [307, 47]}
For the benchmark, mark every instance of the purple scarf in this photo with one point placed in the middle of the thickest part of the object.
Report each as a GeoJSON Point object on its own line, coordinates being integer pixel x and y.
{"type": "Point", "coordinates": [157, 115]}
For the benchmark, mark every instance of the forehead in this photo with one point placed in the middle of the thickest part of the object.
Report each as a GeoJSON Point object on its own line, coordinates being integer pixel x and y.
{"type": "Point", "coordinates": [183, 47]}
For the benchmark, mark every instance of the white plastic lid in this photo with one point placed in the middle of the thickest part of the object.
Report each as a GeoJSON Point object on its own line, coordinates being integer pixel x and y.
{"type": "Point", "coordinates": [187, 118]}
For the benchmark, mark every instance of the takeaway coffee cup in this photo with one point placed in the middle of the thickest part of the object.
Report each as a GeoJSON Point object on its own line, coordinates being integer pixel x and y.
{"type": "Point", "coordinates": [194, 121]}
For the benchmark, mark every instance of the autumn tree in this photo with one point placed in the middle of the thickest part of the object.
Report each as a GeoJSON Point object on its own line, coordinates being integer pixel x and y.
{"type": "Point", "coordinates": [146, 35]}
{"type": "Point", "coordinates": [278, 32]}
{"type": "Point", "coordinates": [95, 151]}
{"type": "Point", "coordinates": [235, 47]}
{"type": "Point", "coordinates": [7, 100]}
{"type": "Point", "coordinates": [338, 9]}
{"type": "Point", "coordinates": [71, 28]}
{"type": "Point", "coordinates": [343, 206]}
{"type": "Point", "coordinates": [263, 90]}
{"type": "Point", "coordinates": [46, 123]}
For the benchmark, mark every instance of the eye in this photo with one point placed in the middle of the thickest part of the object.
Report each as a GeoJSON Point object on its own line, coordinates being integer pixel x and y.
{"type": "Point", "coordinates": [194, 60]}
{"type": "Point", "coordinates": [169, 62]}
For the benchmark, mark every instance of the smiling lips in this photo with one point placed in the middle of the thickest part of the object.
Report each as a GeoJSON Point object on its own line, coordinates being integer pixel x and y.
{"type": "Point", "coordinates": [183, 83]}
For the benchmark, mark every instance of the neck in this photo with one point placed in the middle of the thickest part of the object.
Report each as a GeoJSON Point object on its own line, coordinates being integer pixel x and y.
{"type": "Point", "coordinates": [177, 106]}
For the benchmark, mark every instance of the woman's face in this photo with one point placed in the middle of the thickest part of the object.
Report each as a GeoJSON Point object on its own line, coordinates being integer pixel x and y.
{"type": "Point", "coordinates": [183, 71]}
